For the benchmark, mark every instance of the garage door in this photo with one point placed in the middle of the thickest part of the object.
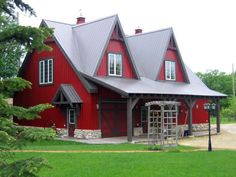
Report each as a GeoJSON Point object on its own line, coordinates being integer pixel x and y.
{"type": "Point", "coordinates": [113, 119]}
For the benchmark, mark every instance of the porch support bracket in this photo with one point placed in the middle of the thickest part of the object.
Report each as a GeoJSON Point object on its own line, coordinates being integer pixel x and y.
{"type": "Point", "coordinates": [190, 102]}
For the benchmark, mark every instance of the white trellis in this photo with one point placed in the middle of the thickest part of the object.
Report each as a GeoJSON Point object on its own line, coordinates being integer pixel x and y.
{"type": "Point", "coordinates": [162, 123]}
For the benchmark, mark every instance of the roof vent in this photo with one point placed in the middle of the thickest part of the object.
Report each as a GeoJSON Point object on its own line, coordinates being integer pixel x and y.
{"type": "Point", "coordinates": [80, 20]}
{"type": "Point", "coordinates": [138, 30]}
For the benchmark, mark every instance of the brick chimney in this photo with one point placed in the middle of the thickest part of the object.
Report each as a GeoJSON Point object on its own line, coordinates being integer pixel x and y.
{"type": "Point", "coordinates": [138, 31]}
{"type": "Point", "coordinates": [80, 20]}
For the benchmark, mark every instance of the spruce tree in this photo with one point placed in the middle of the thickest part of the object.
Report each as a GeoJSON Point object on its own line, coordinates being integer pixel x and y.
{"type": "Point", "coordinates": [15, 40]}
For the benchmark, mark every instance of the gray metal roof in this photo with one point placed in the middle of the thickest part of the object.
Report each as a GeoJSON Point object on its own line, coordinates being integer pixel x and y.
{"type": "Point", "coordinates": [84, 45]}
{"type": "Point", "coordinates": [91, 39]}
{"type": "Point", "coordinates": [69, 92]}
{"type": "Point", "coordinates": [149, 86]}
{"type": "Point", "coordinates": [148, 50]}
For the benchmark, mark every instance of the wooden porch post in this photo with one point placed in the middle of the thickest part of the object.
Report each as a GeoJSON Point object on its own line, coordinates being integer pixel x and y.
{"type": "Point", "coordinates": [218, 116]}
{"type": "Point", "coordinates": [129, 119]}
{"type": "Point", "coordinates": [130, 106]}
{"type": "Point", "coordinates": [190, 102]}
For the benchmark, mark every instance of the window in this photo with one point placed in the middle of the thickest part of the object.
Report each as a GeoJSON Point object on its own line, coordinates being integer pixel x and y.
{"type": "Point", "coordinates": [170, 70]}
{"type": "Point", "coordinates": [46, 71]}
{"type": "Point", "coordinates": [114, 64]}
{"type": "Point", "coordinates": [71, 116]}
{"type": "Point", "coordinates": [144, 114]}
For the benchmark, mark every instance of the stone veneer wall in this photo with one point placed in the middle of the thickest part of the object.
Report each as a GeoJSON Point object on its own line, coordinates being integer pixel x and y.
{"type": "Point", "coordinates": [62, 132]}
{"type": "Point", "coordinates": [196, 127]}
{"type": "Point", "coordinates": [87, 134]}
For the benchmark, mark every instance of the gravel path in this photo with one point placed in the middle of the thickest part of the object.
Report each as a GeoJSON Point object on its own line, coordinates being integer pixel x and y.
{"type": "Point", "coordinates": [224, 140]}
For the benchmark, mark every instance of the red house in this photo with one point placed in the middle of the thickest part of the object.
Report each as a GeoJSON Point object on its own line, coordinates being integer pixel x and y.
{"type": "Point", "coordinates": [99, 80]}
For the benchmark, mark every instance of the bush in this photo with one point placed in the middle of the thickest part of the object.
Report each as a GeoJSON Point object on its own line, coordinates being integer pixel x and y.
{"type": "Point", "coordinates": [230, 112]}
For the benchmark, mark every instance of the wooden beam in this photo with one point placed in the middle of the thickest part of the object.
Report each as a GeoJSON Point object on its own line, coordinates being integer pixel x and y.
{"type": "Point", "coordinates": [99, 112]}
{"type": "Point", "coordinates": [134, 102]}
{"type": "Point", "coordinates": [190, 102]}
{"type": "Point", "coordinates": [217, 116]}
{"type": "Point", "coordinates": [129, 119]}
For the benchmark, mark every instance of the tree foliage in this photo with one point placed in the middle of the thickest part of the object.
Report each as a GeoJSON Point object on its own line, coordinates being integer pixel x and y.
{"type": "Point", "coordinates": [230, 112]}
{"type": "Point", "coordinates": [15, 40]}
{"type": "Point", "coordinates": [219, 81]}
{"type": "Point", "coordinates": [216, 80]}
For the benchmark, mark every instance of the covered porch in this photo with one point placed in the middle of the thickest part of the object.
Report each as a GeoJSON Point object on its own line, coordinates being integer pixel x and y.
{"type": "Point", "coordinates": [134, 103]}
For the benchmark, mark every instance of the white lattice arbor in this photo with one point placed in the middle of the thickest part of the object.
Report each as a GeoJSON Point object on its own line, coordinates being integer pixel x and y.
{"type": "Point", "coordinates": [162, 123]}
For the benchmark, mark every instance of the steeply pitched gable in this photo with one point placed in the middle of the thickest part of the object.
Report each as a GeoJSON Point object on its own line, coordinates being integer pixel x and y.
{"type": "Point", "coordinates": [149, 50]}
{"type": "Point", "coordinates": [173, 54]}
{"type": "Point", "coordinates": [117, 44]}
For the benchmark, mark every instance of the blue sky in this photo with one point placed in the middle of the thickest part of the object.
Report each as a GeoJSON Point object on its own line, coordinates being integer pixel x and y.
{"type": "Point", "coordinates": [205, 29]}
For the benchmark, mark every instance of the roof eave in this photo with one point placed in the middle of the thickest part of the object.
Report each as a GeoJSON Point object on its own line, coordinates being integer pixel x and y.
{"type": "Point", "coordinates": [93, 79]}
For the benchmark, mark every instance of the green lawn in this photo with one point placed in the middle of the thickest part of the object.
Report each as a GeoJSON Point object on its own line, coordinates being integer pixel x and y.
{"type": "Point", "coordinates": [175, 163]}
{"type": "Point", "coordinates": [223, 120]}
{"type": "Point", "coordinates": [166, 164]}
{"type": "Point", "coordinates": [70, 145]}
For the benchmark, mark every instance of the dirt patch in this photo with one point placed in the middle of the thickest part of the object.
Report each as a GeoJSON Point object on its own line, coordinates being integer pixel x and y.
{"type": "Point", "coordinates": [226, 139]}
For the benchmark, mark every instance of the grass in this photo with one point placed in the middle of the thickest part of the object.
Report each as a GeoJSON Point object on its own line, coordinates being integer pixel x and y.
{"type": "Point", "coordinates": [223, 120]}
{"type": "Point", "coordinates": [174, 164]}
{"type": "Point", "coordinates": [70, 145]}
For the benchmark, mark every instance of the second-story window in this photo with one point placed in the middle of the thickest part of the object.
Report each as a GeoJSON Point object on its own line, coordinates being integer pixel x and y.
{"type": "Point", "coordinates": [114, 64]}
{"type": "Point", "coordinates": [46, 71]}
{"type": "Point", "coordinates": [170, 73]}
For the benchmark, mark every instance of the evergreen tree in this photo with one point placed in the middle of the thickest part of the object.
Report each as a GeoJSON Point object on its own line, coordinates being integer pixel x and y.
{"type": "Point", "coordinates": [15, 40]}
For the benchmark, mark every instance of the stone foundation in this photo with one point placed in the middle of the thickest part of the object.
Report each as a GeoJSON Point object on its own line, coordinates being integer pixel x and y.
{"type": "Point", "coordinates": [62, 132]}
{"type": "Point", "coordinates": [87, 134]}
{"type": "Point", "coordinates": [196, 128]}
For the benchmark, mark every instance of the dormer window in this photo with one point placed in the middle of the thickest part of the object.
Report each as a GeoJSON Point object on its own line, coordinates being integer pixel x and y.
{"type": "Point", "coordinates": [170, 72]}
{"type": "Point", "coordinates": [114, 64]}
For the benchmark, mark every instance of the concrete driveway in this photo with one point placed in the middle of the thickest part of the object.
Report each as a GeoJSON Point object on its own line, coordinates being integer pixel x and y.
{"type": "Point", "coordinates": [226, 139]}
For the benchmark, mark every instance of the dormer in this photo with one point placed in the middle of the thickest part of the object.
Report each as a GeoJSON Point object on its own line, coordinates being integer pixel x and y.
{"type": "Point", "coordinates": [172, 67]}
{"type": "Point", "coordinates": [116, 61]}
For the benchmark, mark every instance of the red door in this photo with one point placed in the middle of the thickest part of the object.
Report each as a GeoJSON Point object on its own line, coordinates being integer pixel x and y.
{"type": "Point", "coordinates": [71, 122]}
{"type": "Point", "coordinates": [113, 122]}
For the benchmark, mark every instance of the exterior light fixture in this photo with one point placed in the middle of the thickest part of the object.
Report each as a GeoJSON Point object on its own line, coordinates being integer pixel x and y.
{"type": "Point", "coordinates": [209, 107]}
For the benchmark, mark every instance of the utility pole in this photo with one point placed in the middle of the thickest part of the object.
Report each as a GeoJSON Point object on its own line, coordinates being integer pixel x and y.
{"type": "Point", "coordinates": [17, 18]}
{"type": "Point", "coordinates": [233, 86]}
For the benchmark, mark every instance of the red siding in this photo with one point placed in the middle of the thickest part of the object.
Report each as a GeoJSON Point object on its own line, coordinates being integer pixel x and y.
{"type": "Point", "coordinates": [63, 73]}
{"type": "Point", "coordinates": [171, 55]}
{"type": "Point", "coordinates": [199, 114]}
{"type": "Point", "coordinates": [116, 46]}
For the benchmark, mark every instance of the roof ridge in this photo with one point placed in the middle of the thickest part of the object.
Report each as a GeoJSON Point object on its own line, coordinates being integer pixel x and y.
{"type": "Point", "coordinates": [150, 32]}
{"type": "Point", "coordinates": [94, 21]}
{"type": "Point", "coordinates": [57, 22]}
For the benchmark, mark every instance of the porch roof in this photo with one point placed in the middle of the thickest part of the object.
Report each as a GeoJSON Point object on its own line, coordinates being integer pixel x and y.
{"type": "Point", "coordinates": [148, 86]}
{"type": "Point", "coordinates": [66, 94]}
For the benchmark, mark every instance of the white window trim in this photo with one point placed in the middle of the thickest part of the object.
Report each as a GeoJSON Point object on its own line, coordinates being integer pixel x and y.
{"type": "Point", "coordinates": [170, 70]}
{"type": "Point", "coordinates": [69, 112]}
{"type": "Point", "coordinates": [115, 59]}
{"type": "Point", "coordinates": [42, 62]}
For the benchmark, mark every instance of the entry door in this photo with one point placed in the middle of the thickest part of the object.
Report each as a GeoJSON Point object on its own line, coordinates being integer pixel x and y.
{"type": "Point", "coordinates": [71, 122]}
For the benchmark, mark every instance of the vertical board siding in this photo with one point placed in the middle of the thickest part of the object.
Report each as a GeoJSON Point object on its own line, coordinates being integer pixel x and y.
{"type": "Point", "coordinates": [171, 55]}
{"type": "Point", "coordinates": [63, 73]}
{"type": "Point", "coordinates": [116, 46]}
{"type": "Point", "coordinates": [198, 113]}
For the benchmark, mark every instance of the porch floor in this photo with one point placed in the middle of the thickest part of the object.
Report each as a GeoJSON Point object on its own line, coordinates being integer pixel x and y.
{"type": "Point", "coordinates": [123, 139]}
